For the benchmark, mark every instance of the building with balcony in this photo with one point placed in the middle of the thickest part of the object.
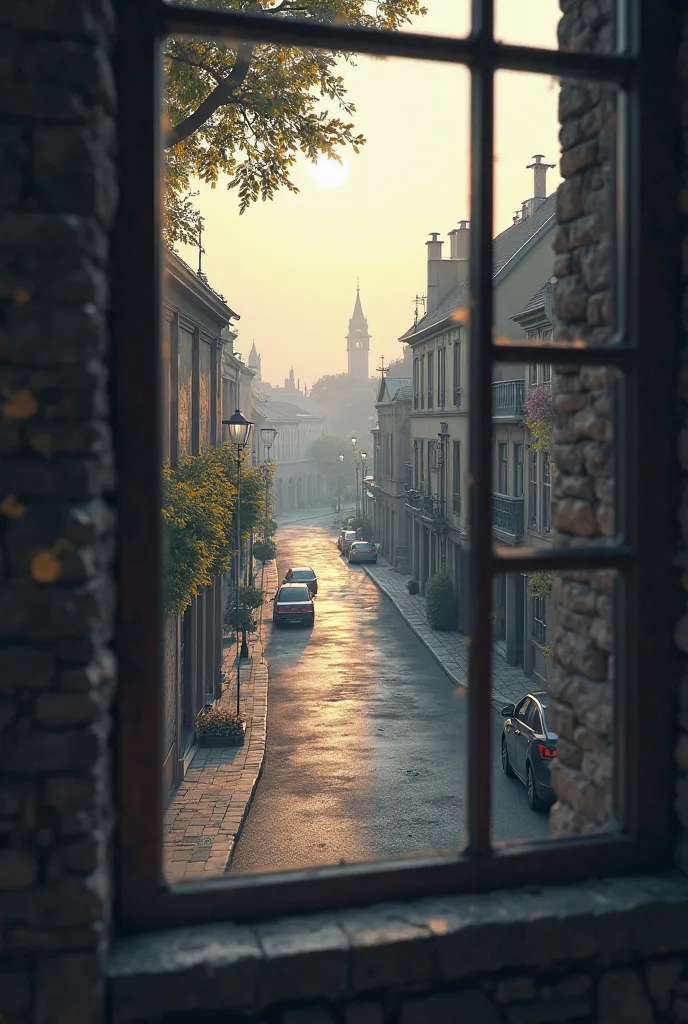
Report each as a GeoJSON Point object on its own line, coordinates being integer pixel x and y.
{"type": "Point", "coordinates": [522, 259]}
{"type": "Point", "coordinates": [388, 490]}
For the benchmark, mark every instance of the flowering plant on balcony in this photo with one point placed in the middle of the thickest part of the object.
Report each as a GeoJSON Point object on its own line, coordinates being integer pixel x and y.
{"type": "Point", "coordinates": [538, 420]}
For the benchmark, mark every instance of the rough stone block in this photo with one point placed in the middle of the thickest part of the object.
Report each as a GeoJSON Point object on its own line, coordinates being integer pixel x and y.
{"type": "Point", "coordinates": [455, 1008]}
{"type": "Point", "coordinates": [303, 961]}
{"type": "Point", "coordinates": [661, 976]}
{"type": "Point", "coordinates": [69, 990]}
{"type": "Point", "coordinates": [18, 870]}
{"type": "Point", "coordinates": [622, 997]}
{"type": "Point", "coordinates": [385, 946]}
{"type": "Point", "coordinates": [364, 1013]}
{"type": "Point", "coordinates": [308, 1015]}
{"type": "Point", "coordinates": [518, 989]}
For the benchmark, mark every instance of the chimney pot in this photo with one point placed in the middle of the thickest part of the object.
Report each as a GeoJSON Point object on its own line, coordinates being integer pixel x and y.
{"type": "Point", "coordinates": [539, 176]}
{"type": "Point", "coordinates": [460, 241]}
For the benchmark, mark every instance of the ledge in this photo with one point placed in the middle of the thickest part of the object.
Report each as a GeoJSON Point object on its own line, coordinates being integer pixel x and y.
{"type": "Point", "coordinates": [428, 943]}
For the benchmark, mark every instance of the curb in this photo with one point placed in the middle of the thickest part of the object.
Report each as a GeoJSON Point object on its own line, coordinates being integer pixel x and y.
{"type": "Point", "coordinates": [263, 665]}
{"type": "Point", "coordinates": [404, 616]}
{"type": "Point", "coordinates": [256, 779]}
{"type": "Point", "coordinates": [495, 702]}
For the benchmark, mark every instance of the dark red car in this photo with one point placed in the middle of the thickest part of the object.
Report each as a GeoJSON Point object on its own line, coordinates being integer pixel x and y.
{"type": "Point", "coordinates": [293, 603]}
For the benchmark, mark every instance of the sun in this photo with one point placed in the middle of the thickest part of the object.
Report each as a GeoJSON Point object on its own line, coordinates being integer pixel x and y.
{"type": "Point", "coordinates": [327, 173]}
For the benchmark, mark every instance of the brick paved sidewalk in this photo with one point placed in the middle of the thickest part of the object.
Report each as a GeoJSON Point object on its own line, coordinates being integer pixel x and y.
{"type": "Point", "coordinates": [204, 819]}
{"type": "Point", "coordinates": [450, 650]}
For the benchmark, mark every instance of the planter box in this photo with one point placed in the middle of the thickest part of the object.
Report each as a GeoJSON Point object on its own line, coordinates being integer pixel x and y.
{"type": "Point", "coordinates": [210, 740]}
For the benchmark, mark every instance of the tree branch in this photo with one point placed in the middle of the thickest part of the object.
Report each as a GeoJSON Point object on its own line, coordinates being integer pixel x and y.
{"type": "Point", "coordinates": [192, 64]}
{"type": "Point", "coordinates": [221, 94]}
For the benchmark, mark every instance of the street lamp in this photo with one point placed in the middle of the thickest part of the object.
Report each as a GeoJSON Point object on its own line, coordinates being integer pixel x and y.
{"type": "Point", "coordinates": [363, 462]}
{"type": "Point", "coordinates": [239, 431]}
{"type": "Point", "coordinates": [267, 436]}
{"type": "Point", "coordinates": [339, 484]}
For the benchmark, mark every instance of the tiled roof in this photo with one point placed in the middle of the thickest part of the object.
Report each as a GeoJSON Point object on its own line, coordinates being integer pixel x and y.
{"type": "Point", "coordinates": [399, 387]}
{"type": "Point", "coordinates": [537, 301]}
{"type": "Point", "coordinates": [505, 247]}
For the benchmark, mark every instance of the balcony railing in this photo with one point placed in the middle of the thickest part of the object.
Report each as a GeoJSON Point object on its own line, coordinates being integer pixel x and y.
{"type": "Point", "coordinates": [508, 400]}
{"type": "Point", "coordinates": [408, 476]}
{"type": "Point", "coordinates": [427, 506]}
{"type": "Point", "coordinates": [507, 515]}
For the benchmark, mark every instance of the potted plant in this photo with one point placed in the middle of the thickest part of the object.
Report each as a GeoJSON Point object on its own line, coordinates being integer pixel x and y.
{"type": "Point", "coordinates": [218, 727]}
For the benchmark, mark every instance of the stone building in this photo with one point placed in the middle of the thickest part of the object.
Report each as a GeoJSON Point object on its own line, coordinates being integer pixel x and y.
{"type": "Point", "coordinates": [194, 331]}
{"type": "Point", "coordinates": [593, 931]}
{"type": "Point", "coordinates": [392, 470]}
{"type": "Point", "coordinates": [298, 483]}
{"type": "Point", "coordinates": [522, 259]}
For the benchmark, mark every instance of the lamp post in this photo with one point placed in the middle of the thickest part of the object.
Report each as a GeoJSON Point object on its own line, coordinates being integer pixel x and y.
{"type": "Point", "coordinates": [239, 431]}
{"type": "Point", "coordinates": [267, 436]}
{"type": "Point", "coordinates": [353, 445]}
{"type": "Point", "coordinates": [339, 484]}
{"type": "Point", "coordinates": [363, 463]}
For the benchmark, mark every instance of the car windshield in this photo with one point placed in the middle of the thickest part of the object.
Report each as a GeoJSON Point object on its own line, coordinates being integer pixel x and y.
{"type": "Point", "coordinates": [350, 533]}
{"type": "Point", "coordinates": [361, 545]}
{"type": "Point", "coordinates": [289, 594]}
{"type": "Point", "coordinates": [303, 574]}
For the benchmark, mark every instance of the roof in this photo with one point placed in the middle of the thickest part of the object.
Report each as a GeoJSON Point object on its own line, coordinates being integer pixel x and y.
{"type": "Point", "coordinates": [507, 250]}
{"type": "Point", "coordinates": [399, 389]}
{"type": "Point", "coordinates": [537, 302]}
{"type": "Point", "coordinates": [358, 323]}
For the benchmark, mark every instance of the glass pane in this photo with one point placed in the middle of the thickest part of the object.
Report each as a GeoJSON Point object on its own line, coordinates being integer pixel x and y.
{"type": "Point", "coordinates": [430, 17]}
{"type": "Point", "coordinates": [554, 456]}
{"type": "Point", "coordinates": [325, 317]}
{"type": "Point", "coordinates": [553, 752]}
{"type": "Point", "coordinates": [595, 28]}
{"type": "Point", "coordinates": [555, 249]}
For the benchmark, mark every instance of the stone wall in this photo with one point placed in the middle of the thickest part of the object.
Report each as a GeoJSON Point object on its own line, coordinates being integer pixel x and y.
{"type": "Point", "coordinates": [58, 194]}
{"type": "Point", "coordinates": [581, 677]}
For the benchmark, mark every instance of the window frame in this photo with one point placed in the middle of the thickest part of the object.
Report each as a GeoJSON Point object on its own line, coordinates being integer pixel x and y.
{"type": "Point", "coordinates": [648, 251]}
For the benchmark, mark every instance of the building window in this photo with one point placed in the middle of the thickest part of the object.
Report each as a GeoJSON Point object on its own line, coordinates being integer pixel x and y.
{"type": "Point", "coordinates": [391, 455]}
{"type": "Point", "coordinates": [441, 353]}
{"type": "Point", "coordinates": [456, 477]}
{"type": "Point", "coordinates": [518, 470]}
{"type": "Point", "coordinates": [502, 468]}
{"type": "Point", "coordinates": [534, 517]}
{"type": "Point", "coordinates": [421, 382]}
{"type": "Point", "coordinates": [539, 616]}
{"type": "Point", "coordinates": [423, 482]}
{"type": "Point", "coordinates": [416, 471]}
{"type": "Point", "coordinates": [456, 372]}
{"type": "Point", "coordinates": [416, 383]}
{"type": "Point", "coordinates": [546, 496]}
{"type": "Point", "coordinates": [431, 379]}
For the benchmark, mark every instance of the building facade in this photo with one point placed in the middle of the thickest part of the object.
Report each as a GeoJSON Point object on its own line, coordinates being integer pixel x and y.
{"type": "Point", "coordinates": [439, 534]}
{"type": "Point", "coordinates": [298, 482]}
{"type": "Point", "coordinates": [386, 491]}
{"type": "Point", "coordinates": [195, 329]}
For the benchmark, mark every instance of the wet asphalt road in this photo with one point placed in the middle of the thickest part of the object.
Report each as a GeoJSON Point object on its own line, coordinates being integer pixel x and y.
{"type": "Point", "coordinates": [366, 735]}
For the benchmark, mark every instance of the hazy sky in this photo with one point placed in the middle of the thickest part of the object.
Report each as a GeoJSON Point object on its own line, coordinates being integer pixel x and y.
{"type": "Point", "coordinates": [289, 267]}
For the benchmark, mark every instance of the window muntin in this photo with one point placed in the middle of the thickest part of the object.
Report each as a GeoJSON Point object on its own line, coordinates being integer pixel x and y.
{"type": "Point", "coordinates": [143, 904]}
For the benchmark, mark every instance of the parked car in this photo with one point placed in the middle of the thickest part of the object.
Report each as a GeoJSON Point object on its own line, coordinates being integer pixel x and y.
{"type": "Point", "coordinates": [529, 746]}
{"type": "Point", "coordinates": [362, 551]}
{"type": "Point", "coordinates": [347, 540]}
{"type": "Point", "coordinates": [303, 575]}
{"type": "Point", "coordinates": [342, 534]}
{"type": "Point", "coordinates": [293, 603]}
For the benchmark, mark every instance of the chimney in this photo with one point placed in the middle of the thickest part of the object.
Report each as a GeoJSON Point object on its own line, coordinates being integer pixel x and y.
{"type": "Point", "coordinates": [524, 209]}
{"type": "Point", "coordinates": [460, 241]}
{"type": "Point", "coordinates": [539, 178]}
{"type": "Point", "coordinates": [517, 216]}
{"type": "Point", "coordinates": [434, 246]}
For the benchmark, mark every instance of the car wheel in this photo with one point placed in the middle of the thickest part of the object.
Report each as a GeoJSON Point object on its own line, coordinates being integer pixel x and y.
{"type": "Point", "coordinates": [531, 789]}
{"type": "Point", "coordinates": [506, 763]}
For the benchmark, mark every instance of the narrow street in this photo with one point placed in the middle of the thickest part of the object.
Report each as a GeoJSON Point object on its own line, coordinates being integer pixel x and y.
{"type": "Point", "coordinates": [366, 735]}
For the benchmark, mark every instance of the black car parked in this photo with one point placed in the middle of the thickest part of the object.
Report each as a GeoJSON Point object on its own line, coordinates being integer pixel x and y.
{"type": "Point", "coordinates": [529, 746]}
{"type": "Point", "coordinates": [303, 575]}
{"type": "Point", "coordinates": [293, 602]}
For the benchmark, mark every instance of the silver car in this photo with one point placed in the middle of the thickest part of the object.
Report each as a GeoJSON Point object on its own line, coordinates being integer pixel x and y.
{"type": "Point", "coordinates": [362, 551]}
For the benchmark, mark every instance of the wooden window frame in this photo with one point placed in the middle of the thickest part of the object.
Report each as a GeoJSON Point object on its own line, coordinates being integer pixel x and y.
{"type": "Point", "coordinates": [648, 293]}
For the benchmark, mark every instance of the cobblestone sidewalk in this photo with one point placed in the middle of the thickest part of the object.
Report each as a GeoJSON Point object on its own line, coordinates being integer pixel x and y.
{"type": "Point", "coordinates": [204, 819]}
{"type": "Point", "coordinates": [450, 650]}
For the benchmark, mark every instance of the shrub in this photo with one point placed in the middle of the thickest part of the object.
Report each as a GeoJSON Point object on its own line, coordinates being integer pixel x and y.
{"type": "Point", "coordinates": [540, 584]}
{"type": "Point", "coordinates": [250, 598]}
{"type": "Point", "coordinates": [219, 722]}
{"type": "Point", "coordinates": [364, 525]}
{"type": "Point", "coordinates": [264, 550]}
{"type": "Point", "coordinates": [413, 587]}
{"type": "Point", "coordinates": [440, 603]}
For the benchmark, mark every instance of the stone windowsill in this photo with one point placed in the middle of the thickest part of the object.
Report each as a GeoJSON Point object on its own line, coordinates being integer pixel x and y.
{"type": "Point", "coordinates": [426, 943]}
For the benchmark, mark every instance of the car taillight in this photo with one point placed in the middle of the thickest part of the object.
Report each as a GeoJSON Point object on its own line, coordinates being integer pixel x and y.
{"type": "Point", "coordinates": [546, 752]}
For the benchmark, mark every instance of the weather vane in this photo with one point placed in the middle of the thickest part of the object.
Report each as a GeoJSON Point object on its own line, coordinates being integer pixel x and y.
{"type": "Point", "coordinates": [382, 369]}
{"type": "Point", "coordinates": [419, 300]}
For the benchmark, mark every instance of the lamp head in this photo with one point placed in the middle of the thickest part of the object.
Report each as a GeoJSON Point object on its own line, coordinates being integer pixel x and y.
{"type": "Point", "coordinates": [239, 429]}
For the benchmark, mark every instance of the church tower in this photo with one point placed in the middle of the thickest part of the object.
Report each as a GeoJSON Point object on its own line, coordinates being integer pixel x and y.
{"type": "Point", "coordinates": [358, 341]}
{"type": "Point", "coordinates": [254, 361]}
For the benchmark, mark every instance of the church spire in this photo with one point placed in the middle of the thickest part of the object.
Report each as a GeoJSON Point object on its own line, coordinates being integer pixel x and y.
{"type": "Point", "coordinates": [358, 339]}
